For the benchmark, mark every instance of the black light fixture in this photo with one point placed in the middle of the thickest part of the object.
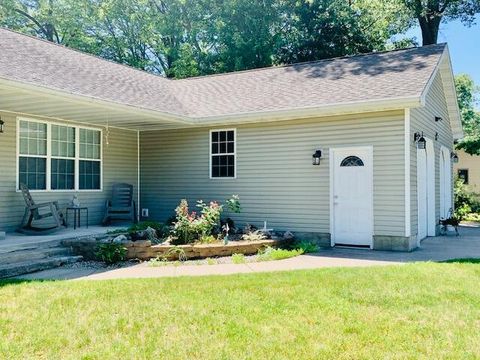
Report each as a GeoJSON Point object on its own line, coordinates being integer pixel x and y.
{"type": "Point", "coordinates": [316, 157]}
{"type": "Point", "coordinates": [454, 157]}
{"type": "Point", "coordinates": [2, 125]}
{"type": "Point", "coordinates": [420, 140]}
{"type": "Point", "coordinates": [438, 118]}
{"type": "Point", "coordinates": [436, 136]}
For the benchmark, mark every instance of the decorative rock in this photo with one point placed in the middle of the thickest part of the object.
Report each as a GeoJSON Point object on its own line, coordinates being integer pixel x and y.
{"type": "Point", "coordinates": [150, 234]}
{"type": "Point", "coordinates": [288, 236]}
{"type": "Point", "coordinates": [120, 239]}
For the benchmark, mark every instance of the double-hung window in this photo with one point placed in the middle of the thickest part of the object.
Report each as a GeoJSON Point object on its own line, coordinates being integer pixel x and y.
{"type": "Point", "coordinates": [222, 154]}
{"type": "Point", "coordinates": [58, 157]}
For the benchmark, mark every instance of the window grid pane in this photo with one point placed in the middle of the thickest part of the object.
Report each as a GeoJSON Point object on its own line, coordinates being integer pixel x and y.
{"type": "Point", "coordinates": [89, 144]}
{"type": "Point", "coordinates": [63, 141]}
{"type": "Point", "coordinates": [33, 138]}
{"type": "Point", "coordinates": [33, 172]}
{"type": "Point", "coordinates": [89, 176]}
{"type": "Point", "coordinates": [63, 174]}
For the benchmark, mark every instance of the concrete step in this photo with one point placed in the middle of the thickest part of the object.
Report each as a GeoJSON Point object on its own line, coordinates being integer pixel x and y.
{"type": "Point", "coordinates": [29, 266]}
{"type": "Point", "coordinates": [16, 256]}
{"type": "Point", "coordinates": [12, 246]}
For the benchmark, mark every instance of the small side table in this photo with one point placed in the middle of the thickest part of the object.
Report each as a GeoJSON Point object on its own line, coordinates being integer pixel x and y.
{"type": "Point", "coordinates": [77, 211]}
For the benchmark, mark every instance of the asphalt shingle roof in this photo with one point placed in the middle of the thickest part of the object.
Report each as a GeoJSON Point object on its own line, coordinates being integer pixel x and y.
{"type": "Point", "coordinates": [369, 77]}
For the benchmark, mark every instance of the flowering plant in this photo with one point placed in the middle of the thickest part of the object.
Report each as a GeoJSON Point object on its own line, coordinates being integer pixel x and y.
{"type": "Point", "coordinates": [191, 226]}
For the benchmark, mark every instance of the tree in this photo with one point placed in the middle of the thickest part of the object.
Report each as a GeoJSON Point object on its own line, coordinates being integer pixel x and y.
{"type": "Point", "coordinates": [430, 14]}
{"type": "Point", "coordinates": [59, 21]}
{"type": "Point", "coordinates": [468, 98]}
{"type": "Point", "coordinates": [319, 29]}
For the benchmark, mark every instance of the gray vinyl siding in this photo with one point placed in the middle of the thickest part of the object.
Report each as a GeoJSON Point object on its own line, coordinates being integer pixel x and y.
{"type": "Point", "coordinates": [119, 165]}
{"type": "Point", "coordinates": [276, 180]}
{"type": "Point", "coordinates": [423, 119]}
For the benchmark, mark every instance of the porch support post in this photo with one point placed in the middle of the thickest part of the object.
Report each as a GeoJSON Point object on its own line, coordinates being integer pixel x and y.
{"type": "Point", "coordinates": [138, 175]}
{"type": "Point", "coordinates": [408, 218]}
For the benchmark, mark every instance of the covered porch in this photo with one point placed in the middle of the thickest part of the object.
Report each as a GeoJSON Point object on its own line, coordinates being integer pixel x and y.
{"type": "Point", "coordinates": [118, 127]}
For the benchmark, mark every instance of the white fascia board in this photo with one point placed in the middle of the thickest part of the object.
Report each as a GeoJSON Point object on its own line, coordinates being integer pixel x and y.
{"type": "Point", "coordinates": [444, 66]}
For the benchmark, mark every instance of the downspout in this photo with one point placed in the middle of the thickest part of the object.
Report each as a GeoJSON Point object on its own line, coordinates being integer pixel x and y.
{"type": "Point", "coordinates": [138, 175]}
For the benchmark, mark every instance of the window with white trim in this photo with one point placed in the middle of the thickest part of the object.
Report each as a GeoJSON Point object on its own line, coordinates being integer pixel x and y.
{"type": "Point", "coordinates": [58, 157]}
{"type": "Point", "coordinates": [222, 154]}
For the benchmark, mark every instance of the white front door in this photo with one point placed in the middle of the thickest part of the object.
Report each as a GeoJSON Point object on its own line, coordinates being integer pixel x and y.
{"type": "Point", "coordinates": [352, 196]}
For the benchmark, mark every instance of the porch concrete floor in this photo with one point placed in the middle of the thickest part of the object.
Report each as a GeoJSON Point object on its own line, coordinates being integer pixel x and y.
{"type": "Point", "coordinates": [440, 248]}
{"type": "Point", "coordinates": [16, 240]}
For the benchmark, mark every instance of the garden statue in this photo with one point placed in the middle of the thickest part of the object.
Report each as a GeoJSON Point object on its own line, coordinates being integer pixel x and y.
{"type": "Point", "coordinates": [75, 201]}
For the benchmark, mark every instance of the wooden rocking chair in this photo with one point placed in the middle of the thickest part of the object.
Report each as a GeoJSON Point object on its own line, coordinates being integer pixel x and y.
{"type": "Point", "coordinates": [121, 206]}
{"type": "Point", "coordinates": [32, 214]}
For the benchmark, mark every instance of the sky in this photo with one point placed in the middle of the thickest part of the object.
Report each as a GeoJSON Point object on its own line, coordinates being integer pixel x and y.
{"type": "Point", "coordinates": [464, 45]}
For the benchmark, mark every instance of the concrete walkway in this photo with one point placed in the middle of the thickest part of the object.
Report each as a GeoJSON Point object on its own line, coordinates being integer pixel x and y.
{"type": "Point", "coordinates": [432, 249]}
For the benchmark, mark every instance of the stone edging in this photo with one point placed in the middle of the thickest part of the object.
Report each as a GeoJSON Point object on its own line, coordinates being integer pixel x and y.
{"type": "Point", "coordinates": [144, 250]}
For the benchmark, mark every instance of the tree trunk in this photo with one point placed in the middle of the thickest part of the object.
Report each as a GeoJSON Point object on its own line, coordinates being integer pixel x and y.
{"type": "Point", "coordinates": [430, 26]}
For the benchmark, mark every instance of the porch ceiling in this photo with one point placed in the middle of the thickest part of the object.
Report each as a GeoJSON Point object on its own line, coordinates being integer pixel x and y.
{"type": "Point", "coordinates": [39, 102]}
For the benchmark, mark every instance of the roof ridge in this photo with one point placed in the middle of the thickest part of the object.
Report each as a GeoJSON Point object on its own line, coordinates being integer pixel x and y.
{"type": "Point", "coordinates": [302, 63]}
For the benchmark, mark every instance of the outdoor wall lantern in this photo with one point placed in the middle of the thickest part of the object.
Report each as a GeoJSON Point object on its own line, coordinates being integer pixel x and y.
{"type": "Point", "coordinates": [2, 125]}
{"type": "Point", "coordinates": [454, 157]}
{"type": "Point", "coordinates": [436, 136]}
{"type": "Point", "coordinates": [420, 140]}
{"type": "Point", "coordinates": [316, 157]}
{"type": "Point", "coordinates": [438, 118]}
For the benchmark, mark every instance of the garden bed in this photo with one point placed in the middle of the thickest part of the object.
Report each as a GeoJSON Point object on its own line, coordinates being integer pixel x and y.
{"type": "Point", "coordinates": [145, 250]}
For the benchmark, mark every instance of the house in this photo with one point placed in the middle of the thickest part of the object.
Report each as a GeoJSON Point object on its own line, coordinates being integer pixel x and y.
{"type": "Point", "coordinates": [468, 169]}
{"type": "Point", "coordinates": [379, 127]}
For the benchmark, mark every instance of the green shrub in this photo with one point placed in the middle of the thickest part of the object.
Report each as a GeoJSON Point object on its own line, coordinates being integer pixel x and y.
{"type": "Point", "coordinates": [209, 239]}
{"type": "Point", "coordinates": [463, 199]}
{"type": "Point", "coordinates": [238, 259]}
{"type": "Point", "coordinates": [473, 217]}
{"type": "Point", "coordinates": [306, 246]}
{"type": "Point", "coordinates": [277, 254]}
{"type": "Point", "coordinates": [256, 235]}
{"type": "Point", "coordinates": [111, 253]}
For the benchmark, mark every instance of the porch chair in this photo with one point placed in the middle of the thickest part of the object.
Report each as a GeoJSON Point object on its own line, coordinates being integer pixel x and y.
{"type": "Point", "coordinates": [451, 220]}
{"type": "Point", "coordinates": [121, 206]}
{"type": "Point", "coordinates": [32, 214]}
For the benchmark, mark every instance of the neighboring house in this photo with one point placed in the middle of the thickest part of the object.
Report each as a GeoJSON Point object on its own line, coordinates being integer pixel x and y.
{"type": "Point", "coordinates": [468, 169]}
{"type": "Point", "coordinates": [75, 123]}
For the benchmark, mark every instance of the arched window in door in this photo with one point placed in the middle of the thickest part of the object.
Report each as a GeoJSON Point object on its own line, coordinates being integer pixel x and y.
{"type": "Point", "coordinates": [352, 161]}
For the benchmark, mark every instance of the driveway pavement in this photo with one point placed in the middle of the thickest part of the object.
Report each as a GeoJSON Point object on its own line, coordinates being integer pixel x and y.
{"type": "Point", "coordinates": [440, 248]}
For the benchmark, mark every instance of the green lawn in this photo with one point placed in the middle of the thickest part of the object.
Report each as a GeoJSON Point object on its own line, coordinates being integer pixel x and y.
{"type": "Point", "coordinates": [426, 311]}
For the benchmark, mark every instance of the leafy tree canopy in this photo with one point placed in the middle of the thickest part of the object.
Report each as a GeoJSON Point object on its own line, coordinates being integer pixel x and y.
{"type": "Point", "coordinates": [430, 14]}
{"type": "Point", "coordinates": [182, 38]}
{"type": "Point", "coordinates": [468, 97]}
